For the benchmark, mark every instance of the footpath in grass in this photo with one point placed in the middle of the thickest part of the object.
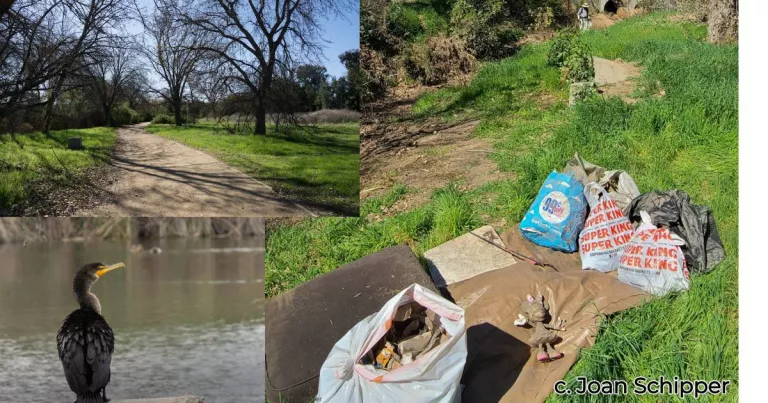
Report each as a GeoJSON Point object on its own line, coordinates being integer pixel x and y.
{"type": "Point", "coordinates": [28, 158]}
{"type": "Point", "coordinates": [686, 139]}
{"type": "Point", "coordinates": [319, 166]}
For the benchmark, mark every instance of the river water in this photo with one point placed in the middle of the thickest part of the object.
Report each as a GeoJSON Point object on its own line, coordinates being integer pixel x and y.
{"type": "Point", "coordinates": [189, 320]}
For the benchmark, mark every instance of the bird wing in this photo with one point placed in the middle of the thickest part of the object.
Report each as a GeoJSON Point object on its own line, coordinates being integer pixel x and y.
{"type": "Point", "coordinates": [99, 354]}
{"type": "Point", "coordinates": [85, 343]}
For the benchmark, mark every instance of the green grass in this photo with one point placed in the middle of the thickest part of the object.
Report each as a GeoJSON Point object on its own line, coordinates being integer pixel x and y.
{"type": "Point", "coordinates": [29, 157]}
{"type": "Point", "coordinates": [687, 139]}
{"type": "Point", "coordinates": [318, 166]}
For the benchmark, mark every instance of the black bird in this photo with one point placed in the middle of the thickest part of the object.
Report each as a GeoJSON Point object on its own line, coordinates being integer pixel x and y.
{"type": "Point", "coordinates": [85, 340]}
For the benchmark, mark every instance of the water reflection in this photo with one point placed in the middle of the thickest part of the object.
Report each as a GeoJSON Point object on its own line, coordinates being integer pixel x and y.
{"type": "Point", "coordinates": [186, 321]}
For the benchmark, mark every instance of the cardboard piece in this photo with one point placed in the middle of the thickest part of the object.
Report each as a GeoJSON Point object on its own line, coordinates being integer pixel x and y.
{"type": "Point", "coordinates": [500, 365]}
{"type": "Point", "coordinates": [467, 256]}
{"type": "Point", "coordinates": [304, 323]}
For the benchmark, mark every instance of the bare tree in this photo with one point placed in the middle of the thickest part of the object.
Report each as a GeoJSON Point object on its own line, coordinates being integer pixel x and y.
{"type": "Point", "coordinates": [33, 51]}
{"type": "Point", "coordinates": [108, 75]}
{"type": "Point", "coordinates": [209, 80]}
{"type": "Point", "coordinates": [94, 18]}
{"type": "Point", "coordinates": [258, 36]}
{"type": "Point", "coordinates": [173, 51]}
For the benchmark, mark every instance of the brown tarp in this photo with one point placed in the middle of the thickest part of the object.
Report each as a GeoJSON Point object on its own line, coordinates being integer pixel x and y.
{"type": "Point", "coordinates": [500, 365]}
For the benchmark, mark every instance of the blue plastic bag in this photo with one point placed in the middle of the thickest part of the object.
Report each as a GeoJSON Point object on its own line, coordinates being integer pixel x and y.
{"type": "Point", "coordinates": [557, 215]}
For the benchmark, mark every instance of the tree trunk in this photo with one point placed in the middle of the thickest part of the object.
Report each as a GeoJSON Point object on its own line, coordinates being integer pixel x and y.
{"type": "Point", "coordinates": [108, 114]}
{"type": "Point", "coordinates": [177, 111]}
{"type": "Point", "coordinates": [55, 92]}
{"type": "Point", "coordinates": [261, 119]}
{"type": "Point", "coordinates": [723, 21]}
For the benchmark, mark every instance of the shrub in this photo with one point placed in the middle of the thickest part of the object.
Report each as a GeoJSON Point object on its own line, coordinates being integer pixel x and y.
{"type": "Point", "coordinates": [403, 21]}
{"type": "Point", "coordinates": [543, 18]}
{"type": "Point", "coordinates": [163, 118]}
{"type": "Point", "coordinates": [483, 25]}
{"type": "Point", "coordinates": [561, 45]}
{"type": "Point", "coordinates": [123, 115]}
{"type": "Point", "coordinates": [579, 64]}
{"type": "Point", "coordinates": [374, 74]}
{"type": "Point", "coordinates": [438, 59]}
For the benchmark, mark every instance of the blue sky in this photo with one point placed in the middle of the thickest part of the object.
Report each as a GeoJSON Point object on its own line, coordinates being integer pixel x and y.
{"type": "Point", "coordinates": [343, 35]}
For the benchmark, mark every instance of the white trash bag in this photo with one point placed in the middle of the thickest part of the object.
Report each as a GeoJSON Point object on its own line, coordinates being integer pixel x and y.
{"type": "Point", "coordinates": [653, 261]}
{"type": "Point", "coordinates": [433, 376]}
{"type": "Point", "coordinates": [606, 232]}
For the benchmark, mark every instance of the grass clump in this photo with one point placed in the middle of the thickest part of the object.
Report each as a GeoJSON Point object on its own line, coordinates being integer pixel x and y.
{"type": "Point", "coordinates": [319, 166]}
{"type": "Point", "coordinates": [37, 156]}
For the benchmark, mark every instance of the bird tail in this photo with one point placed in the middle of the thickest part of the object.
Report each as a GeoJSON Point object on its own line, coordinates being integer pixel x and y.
{"type": "Point", "coordinates": [90, 398]}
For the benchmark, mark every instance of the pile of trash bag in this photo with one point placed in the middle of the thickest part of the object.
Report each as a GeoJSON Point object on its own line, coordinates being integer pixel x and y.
{"type": "Point", "coordinates": [652, 239]}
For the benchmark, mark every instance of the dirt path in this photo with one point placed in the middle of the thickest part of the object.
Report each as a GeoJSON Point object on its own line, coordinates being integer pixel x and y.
{"type": "Point", "coordinates": [421, 153]}
{"type": "Point", "coordinates": [159, 177]}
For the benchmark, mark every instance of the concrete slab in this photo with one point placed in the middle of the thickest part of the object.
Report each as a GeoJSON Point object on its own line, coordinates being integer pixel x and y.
{"type": "Point", "coordinates": [466, 257]}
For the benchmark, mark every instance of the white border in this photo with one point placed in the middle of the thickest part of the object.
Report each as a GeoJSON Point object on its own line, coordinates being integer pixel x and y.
{"type": "Point", "coordinates": [753, 225]}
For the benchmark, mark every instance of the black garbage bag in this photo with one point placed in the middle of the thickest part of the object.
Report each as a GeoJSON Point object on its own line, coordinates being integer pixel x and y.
{"type": "Point", "coordinates": [703, 248]}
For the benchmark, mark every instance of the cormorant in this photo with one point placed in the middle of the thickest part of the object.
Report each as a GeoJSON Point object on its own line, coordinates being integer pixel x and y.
{"type": "Point", "coordinates": [85, 340]}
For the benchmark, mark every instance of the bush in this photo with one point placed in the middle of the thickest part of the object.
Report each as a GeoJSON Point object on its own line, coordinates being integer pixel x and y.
{"type": "Point", "coordinates": [403, 21]}
{"type": "Point", "coordinates": [438, 59]}
{"type": "Point", "coordinates": [483, 26]}
{"type": "Point", "coordinates": [561, 46]}
{"type": "Point", "coordinates": [163, 118]}
{"type": "Point", "coordinates": [572, 55]}
{"type": "Point", "coordinates": [374, 74]}
{"type": "Point", "coordinates": [124, 115]}
{"type": "Point", "coordinates": [579, 64]}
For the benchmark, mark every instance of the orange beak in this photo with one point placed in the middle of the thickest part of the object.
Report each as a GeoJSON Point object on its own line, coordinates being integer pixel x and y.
{"type": "Point", "coordinates": [107, 269]}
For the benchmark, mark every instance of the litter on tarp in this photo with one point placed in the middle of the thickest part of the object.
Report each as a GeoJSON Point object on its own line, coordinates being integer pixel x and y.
{"type": "Point", "coordinates": [413, 349]}
{"type": "Point", "coordinates": [619, 184]}
{"type": "Point", "coordinates": [694, 224]}
{"type": "Point", "coordinates": [557, 215]}
{"type": "Point", "coordinates": [653, 261]}
{"type": "Point", "coordinates": [605, 233]}
{"type": "Point", "coordinates": [502, 365]}
{"type": "Point", "coordinates": [467, 256]}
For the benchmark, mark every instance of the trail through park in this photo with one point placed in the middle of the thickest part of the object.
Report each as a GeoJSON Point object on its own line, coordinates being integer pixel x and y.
{"type": "Point", "coordinates": [160, 177]}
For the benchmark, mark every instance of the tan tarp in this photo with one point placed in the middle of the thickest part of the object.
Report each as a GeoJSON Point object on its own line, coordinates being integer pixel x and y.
{"type": "Point", "coordinates": [500, 365]}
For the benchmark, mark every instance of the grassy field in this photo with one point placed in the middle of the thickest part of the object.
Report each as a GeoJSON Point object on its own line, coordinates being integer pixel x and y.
{"type": "Point", "coordinates": [318, 166]}
{"type": "Point", "coordinates": [29, 157]}
{"type": "Point", "coordinates": [685, 139]}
